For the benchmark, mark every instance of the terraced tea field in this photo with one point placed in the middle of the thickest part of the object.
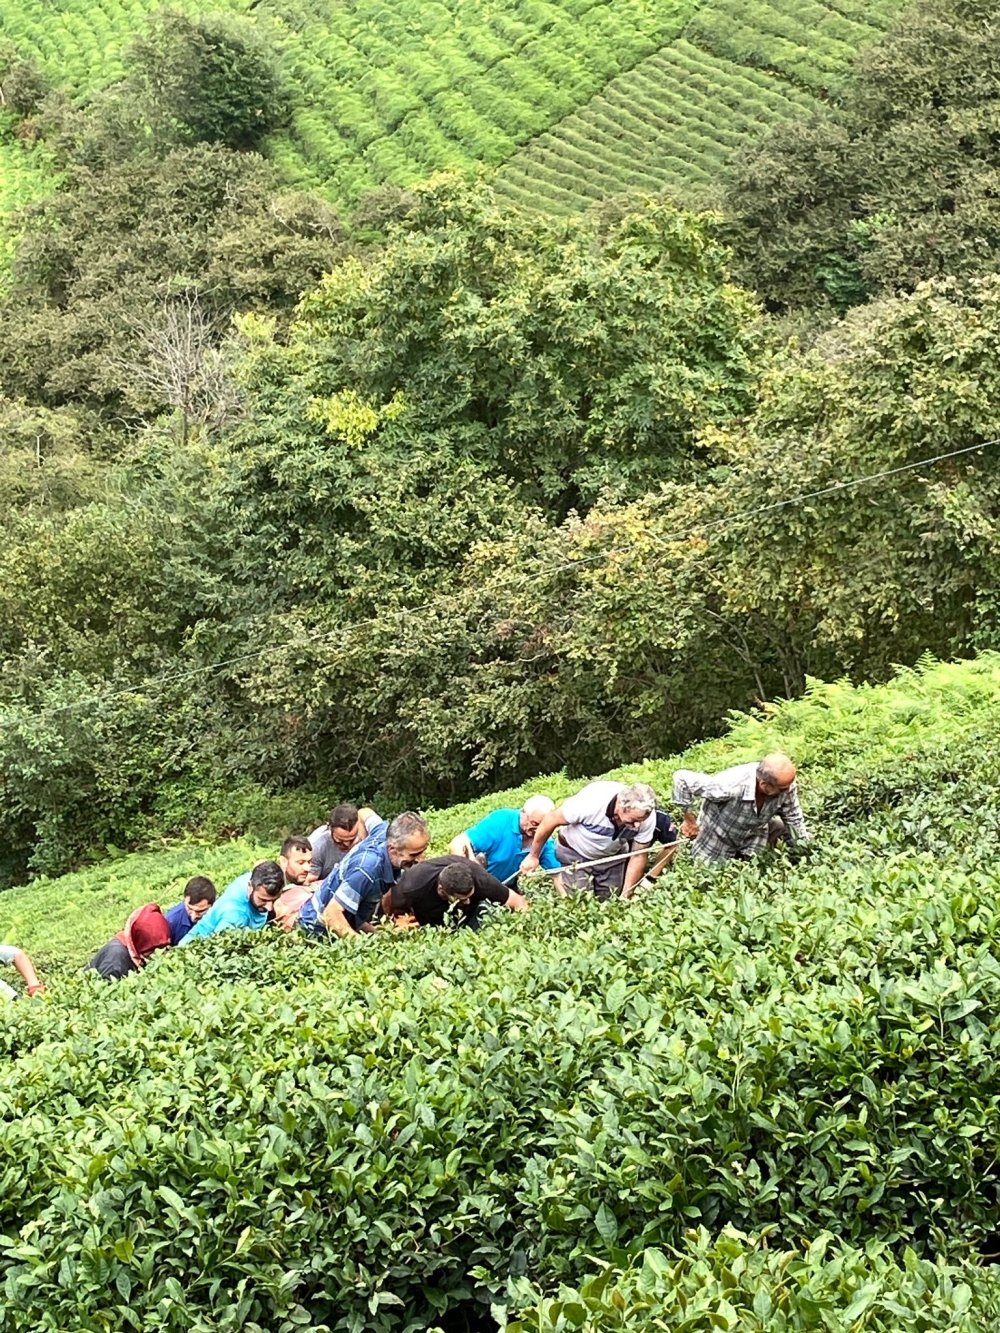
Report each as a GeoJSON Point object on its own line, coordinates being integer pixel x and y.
{"type": "Point", "coordinates": [572, 99]}
{"type": "Point", "coordinates": [672, 121]}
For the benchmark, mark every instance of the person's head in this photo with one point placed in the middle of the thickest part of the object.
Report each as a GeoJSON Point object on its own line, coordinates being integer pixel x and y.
{"type": "Point", "coordinates": [146, 931]}
{"type": "Point", "coordinates": [533, 812]}
{"type": "Point", "coordinates": [295, 859]}
{"type": "Point", "coordinates": [267, 880]}
{"type": "Point", "coordinates": [199, 895]}
{"type": "Point", "coordinates": [775, 774]}
{"type": "Point", "coordinates": [344, 823]}
{"type": "Point", "coordinates": [456, 883]}
{"type": "Point", "coordinates": [407, 839]}
{"type": "Point", "coordinates": [635, 804]}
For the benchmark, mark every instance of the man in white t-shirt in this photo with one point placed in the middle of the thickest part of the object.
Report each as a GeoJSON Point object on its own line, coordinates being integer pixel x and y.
{"type": "Point", "coordinates": [345, 827]}
{"type": "Point", "coordinates": [604, 819]}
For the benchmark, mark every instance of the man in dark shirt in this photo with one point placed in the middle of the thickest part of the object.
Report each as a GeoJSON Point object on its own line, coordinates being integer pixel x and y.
{"type": "Point", "coordinates": [199, 895]}
{"type": "Point", "coordinates": [448, 889]}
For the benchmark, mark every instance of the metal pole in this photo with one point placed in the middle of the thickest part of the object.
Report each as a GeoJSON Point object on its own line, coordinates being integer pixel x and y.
{"type": "Point", "coordinates": [586, 865]}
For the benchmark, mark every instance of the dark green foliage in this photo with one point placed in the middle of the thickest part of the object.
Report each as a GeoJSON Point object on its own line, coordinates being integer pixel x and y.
{"type": "Point", "coordinates": [573, 362]}
{"type": "Point", "coordinates": [630, 631]}
{"type": "Point", "coordinates": [101, 256]}
{"type": "Point", "coordinates": [897, 184]}
{"type": "Point", "coordinates": [22, 84]}
{"type": "Point", "coordinates": [208, 80]}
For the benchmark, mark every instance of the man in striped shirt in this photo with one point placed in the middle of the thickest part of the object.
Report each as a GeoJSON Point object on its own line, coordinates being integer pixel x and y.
{"type": "Point", "coordinates": [346, 901]}
{"type": "Point", "coordinates": [743, 809]}
{"type": "Point", "coordinates": [601, 821]}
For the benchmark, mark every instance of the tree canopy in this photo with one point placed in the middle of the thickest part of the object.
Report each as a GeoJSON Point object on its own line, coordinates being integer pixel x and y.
{"type": "Point", "coordinates": [895, 184]}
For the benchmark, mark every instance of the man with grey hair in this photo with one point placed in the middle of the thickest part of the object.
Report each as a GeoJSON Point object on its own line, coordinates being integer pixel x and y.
{"type": "Point", "coordinates": [744, 809]}
{"type": "Point", "coordinates": [602, 820]}
{"type": "Point", "coordinates": [347, 899]}
{"type": "Point", "coordinates": [500, 841]}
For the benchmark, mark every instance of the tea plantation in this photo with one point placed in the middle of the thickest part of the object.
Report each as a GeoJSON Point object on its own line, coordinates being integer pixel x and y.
{"type": "Point", "coordinates": [607, 95]}
{"type": "Point", "coordinates": [760, 1098]}
{"type": "Point", "coordinates": [672, 121]}
{"type": "Point", "coordinates": [24, 177]}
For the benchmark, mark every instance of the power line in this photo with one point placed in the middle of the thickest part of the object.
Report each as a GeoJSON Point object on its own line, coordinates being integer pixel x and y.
{"type": "Point", "coordinates": [701, 525]}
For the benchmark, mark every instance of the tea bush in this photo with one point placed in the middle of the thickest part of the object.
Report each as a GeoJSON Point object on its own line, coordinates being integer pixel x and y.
{"type": "Point", "coordinates": [762, 1096]}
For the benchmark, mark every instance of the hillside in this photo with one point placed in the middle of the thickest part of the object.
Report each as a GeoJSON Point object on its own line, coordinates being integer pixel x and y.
{"type": "Point", "coordinates": [598, 95]}
{"type": "Point", "coordinates": [672, 121]}
{"type": "Point", "coordinates": [759, 1098]}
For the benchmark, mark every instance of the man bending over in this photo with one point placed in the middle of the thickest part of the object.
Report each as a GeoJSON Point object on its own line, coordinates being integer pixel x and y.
{"type": "Point", "coordinates": [743, 809]}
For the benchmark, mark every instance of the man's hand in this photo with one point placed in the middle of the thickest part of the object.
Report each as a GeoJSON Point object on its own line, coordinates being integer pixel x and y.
{"type": "Point", "coordinates": [689, 825]}
{"type": "Point", "coordinates": [517, 902]}
{"type": "Point", "coordinates": [529, 865]}
{"type": "Point", "coordinates": [405, 921]}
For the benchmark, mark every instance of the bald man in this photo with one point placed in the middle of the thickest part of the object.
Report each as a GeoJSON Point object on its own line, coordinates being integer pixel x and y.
{"type": "Point", "coordinates": [744, 809]}
{"type": "Point", "coordinates": [501, 840]}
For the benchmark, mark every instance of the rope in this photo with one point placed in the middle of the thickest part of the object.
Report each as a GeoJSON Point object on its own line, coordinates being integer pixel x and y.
{"type": "Point", "coordinates": [587, 865]}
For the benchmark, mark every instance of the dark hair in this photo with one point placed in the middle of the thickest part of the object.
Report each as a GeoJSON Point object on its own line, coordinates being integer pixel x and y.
{"type": "Point", "coordinates": [343, 816]}
{"type": "Point", "coordinates": [296, 844]}
{"type": "Point", "coordinates": [200, 889]}
{"type": "Point", "coordinates": [268, 875]}
{"type": "Point", "coordinates": [458, 879]}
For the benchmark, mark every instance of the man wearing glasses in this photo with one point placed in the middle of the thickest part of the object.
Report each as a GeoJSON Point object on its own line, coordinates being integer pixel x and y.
{"type": "Point", "coordinates": [744, 809]}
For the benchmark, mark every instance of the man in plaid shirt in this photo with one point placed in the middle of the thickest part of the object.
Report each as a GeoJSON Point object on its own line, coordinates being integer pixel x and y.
{"type": "Point", "coordinates": [738, 807]}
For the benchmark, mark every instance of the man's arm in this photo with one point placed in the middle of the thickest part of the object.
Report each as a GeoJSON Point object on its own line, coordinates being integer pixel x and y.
{"type": "Point", "coordinates": [495, 891]}
{"type": "Point", "coordinates": [791, 813]}
{"type": "Point", "coordinates": [689, 785]}
{"type": "Point", "coordinates": [635, 868]}
{"type": "Point", "coordinates": [368, 818]}
{"type": "Point", "coordinates": [335, 921]}
{"type": "Point", "coordinates": [550, 822]}
{"type": "Point", "coordinates": [661, 862]}
{"type": "Point", "coordinates": [355, 888]}
{"type": "Point", "coordinates": [461, 846]}
{"type": "Point", "coordinates": [29, 976]}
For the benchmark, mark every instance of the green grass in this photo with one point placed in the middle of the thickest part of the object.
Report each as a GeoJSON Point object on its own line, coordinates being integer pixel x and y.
{"type": "Point", "coordinates": [761, 1097]}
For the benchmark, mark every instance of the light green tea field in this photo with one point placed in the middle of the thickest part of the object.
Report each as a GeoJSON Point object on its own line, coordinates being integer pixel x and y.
{"type": "Point", "coordinates": [760, 1097]}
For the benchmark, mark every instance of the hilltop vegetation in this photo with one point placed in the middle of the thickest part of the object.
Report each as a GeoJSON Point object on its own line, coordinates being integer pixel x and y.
{"type": "Point", "coordinates": [760, 1097]}
{"type": "Point", "coordinates": [388, 93]}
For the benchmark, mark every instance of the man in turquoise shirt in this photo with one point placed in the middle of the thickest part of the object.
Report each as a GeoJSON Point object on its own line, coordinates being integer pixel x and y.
{"type": "Point", "coordinates": [502, 839]}
{"type": "Point", "coordinates": [249, 910]}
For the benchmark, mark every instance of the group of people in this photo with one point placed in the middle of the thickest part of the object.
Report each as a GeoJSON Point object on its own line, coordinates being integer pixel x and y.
{"type": "Point", "coordinates": [358, 869]}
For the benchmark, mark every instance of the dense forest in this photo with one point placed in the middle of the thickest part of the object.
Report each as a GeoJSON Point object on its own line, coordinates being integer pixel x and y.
{"type": "Point", "coordinates": [411, 500]}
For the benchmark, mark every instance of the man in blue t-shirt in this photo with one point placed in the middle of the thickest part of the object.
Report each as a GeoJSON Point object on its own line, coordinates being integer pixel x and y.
{"type": "Point", "coordinates": [501, 840]}
{"type": "Point", "coordinates": [250, 910]}
{"type": "Point", "coordinates": [348, 898]}
{"type": "Point", "coordinates": [199, 895]}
